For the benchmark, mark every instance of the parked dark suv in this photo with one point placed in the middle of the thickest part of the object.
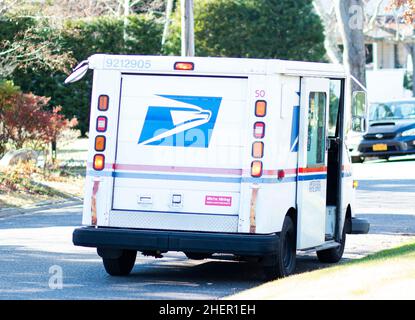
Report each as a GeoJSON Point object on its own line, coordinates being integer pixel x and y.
{"type": "Point", "coordinates": [391, 130]}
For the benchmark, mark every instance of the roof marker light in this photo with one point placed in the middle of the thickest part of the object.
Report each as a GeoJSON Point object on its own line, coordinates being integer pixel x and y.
{"type": "Point", "coordinates": [184, 66]}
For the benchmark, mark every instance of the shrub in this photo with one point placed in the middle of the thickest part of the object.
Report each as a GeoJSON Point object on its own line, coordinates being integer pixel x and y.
{"type": "Point", "coordinates": [7, 91]}
{"type": "Point", "coordinates": [283, 29]}
{"type": "Point", "coordinates": [18, 177]}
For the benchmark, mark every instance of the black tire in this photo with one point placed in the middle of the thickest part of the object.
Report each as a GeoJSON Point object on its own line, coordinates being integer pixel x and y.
{"type": "Point", "coordinates": [333, 255]}
{"type": "Point", "coordinates": [357, 159]}
{"type": "Point", "coordinates": [197, 255]}
{"type": "Point", "coordinates": [282, 264]}
{"type": "Point", "coordinates": [121, 266]}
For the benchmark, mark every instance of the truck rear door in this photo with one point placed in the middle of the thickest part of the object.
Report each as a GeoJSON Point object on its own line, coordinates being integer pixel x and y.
{"type": "Point", "coordinates": [179, 144]}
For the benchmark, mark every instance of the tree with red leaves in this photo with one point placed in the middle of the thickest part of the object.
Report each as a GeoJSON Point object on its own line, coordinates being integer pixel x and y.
{"type": "Point", "coordinates": [24, 119]}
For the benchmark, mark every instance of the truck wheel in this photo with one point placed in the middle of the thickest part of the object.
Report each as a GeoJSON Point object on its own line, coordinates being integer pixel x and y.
{"type": "Point", "coordinates": [283, 263]}
{"type": "Point", "coordinates": [121, 266]}
{"type": "Point", "coordinates": [333, 255]}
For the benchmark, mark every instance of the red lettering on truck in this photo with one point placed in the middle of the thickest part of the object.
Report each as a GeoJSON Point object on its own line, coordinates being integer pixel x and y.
{"type": "Point", "coordinates": [221, 201]}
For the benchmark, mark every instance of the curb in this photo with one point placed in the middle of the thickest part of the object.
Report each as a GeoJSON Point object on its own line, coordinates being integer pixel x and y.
{"type": "Point", "coordinates": [9, 212]}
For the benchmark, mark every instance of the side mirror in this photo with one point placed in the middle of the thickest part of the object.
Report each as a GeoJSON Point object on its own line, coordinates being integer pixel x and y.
{"type": "Point", "coordinates": [78, 73]}
{"type": "Point", "coordinates": [359, 124]}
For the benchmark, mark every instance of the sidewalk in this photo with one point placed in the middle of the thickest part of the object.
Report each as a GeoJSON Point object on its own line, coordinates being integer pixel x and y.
{"type": "Point", "coordinates": [41, 206]}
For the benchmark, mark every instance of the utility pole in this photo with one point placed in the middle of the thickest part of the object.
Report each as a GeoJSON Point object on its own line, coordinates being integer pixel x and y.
{"type": "Point", "coordinates": [125, 18]}
{"type": "Point", "coordinates": [169, 9]}
{"type": "Point", "coordinates": [188, 44]}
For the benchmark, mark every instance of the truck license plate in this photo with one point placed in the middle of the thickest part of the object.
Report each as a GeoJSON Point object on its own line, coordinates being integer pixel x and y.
{"type": "Point", "coordinates": [380, 147]}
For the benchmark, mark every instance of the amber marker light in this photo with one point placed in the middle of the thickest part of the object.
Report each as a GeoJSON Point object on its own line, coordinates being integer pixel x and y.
{"type": "Point", "coordinates": [260, 108]}
{"type": "Point", "coordinates": [103, 102]}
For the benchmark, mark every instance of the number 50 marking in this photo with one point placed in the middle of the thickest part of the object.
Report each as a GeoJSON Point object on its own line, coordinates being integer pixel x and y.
{"type": "Point", "coordinates": [259, 93]}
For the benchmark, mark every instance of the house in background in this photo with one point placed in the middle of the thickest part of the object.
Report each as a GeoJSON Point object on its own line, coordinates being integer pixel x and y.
{"type": "Point", "coordinates": [389, 46]}
{"type": "Point", "coordinates": [387, 42]}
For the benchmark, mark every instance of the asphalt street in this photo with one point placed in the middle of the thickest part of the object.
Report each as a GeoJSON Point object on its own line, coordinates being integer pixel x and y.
{"type": "Point", "coordinates": [38, 260]}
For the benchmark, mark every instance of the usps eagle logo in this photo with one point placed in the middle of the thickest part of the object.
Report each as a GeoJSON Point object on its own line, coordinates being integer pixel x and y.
{"type": "Point", "coordinates": [188, 122]}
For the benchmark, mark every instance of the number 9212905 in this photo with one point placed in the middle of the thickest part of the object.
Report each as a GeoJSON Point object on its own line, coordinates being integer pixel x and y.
{"type": "Point", "coordinates": [127, 64]}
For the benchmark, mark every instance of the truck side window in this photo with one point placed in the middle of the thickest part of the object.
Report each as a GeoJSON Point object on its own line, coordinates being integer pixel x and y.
{"type": "Point", "coordinates": [316, 138]}
{"type": "Point", "coordinates": [335, 95]}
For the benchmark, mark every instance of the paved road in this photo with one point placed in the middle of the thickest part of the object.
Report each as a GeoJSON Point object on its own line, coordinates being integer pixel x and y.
{"type": "Point", "coordinates": [36, 247]}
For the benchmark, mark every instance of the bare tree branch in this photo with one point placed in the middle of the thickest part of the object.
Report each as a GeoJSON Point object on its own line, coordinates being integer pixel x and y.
{"type": "Point", "coordinates": [330, 30]}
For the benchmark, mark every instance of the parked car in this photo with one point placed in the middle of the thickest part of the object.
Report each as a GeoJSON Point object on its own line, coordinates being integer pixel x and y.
{"type": "Point", "coordinates": [391, 130]}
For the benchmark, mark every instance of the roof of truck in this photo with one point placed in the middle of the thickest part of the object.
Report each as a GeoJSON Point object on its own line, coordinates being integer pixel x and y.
{"type": "Point", "coordinates": [214, 66]}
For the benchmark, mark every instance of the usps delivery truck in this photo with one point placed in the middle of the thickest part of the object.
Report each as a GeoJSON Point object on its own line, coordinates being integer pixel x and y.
{"type": "Point", "coordinates": [244, 158]}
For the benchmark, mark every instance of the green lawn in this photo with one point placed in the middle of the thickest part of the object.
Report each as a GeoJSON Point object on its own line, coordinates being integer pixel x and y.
{"type": "Point", "coordinates": [389, 274]}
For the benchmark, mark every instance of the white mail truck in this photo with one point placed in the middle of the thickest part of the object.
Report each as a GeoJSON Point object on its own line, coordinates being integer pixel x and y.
{"type": "Point", "coordinates": [242, 158]}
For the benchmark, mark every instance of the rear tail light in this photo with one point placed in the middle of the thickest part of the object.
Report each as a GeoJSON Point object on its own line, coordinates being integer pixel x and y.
{"type": "Point", "coordinates": [184, 66]}
{"type": "Point", "coordinates": [101, 124]}
{"type": "Point", "coordinates": [260, 108]}
{"type": "Point", "coordinates": [99, 162]}
{"type": "Point", "coordinates": [103, 102]}
{"type": "Point", "coordinates": [258, 149]}
{"type": "Point", "coordinates": [100, 143]}
{"type": "Point", "coordinates": [256, 169]}
{"type": "Point", "coordinates": [259, 130]}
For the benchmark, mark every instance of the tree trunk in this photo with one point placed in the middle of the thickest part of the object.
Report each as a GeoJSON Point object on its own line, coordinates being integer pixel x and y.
{"type": "Point", "coordinates": [350, 15]}
{"type": "Point", "coordinates": [188, 45]}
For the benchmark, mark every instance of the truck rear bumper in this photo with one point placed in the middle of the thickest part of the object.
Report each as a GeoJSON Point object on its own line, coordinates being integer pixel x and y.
{"type": "Point", "coordinates": [163, 241]}
{"type": "Point", "coordinates": [360, 226]}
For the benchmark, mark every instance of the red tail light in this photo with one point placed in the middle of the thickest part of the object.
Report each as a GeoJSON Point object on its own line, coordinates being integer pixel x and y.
{"type": "Point", "coordinates": [102, 124]}
{"type": "Point", "coordinates": [259, 130]}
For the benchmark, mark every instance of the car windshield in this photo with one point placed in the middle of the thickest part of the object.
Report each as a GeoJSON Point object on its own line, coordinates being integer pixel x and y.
{"type": "Point", "coordinates": [392, 111]}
